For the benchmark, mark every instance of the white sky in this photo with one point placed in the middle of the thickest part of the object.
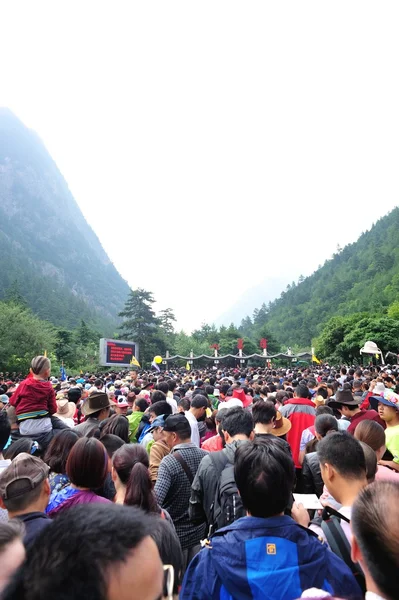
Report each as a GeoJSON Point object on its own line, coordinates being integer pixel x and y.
{"type": "Point", "coordinates": [195, 136]}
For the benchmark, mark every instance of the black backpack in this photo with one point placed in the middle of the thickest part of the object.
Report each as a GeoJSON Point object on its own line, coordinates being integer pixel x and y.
{"type": "Point", "coordinates": [227, 505]}
{"type": "Point", "coordinates": [339, 544]}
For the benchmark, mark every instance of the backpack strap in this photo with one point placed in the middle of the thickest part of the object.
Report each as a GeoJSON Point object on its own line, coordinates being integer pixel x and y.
{"type": "Point", "coordinates": [184, 466]}
{"type": "Point", "coordinates": [339, 543]}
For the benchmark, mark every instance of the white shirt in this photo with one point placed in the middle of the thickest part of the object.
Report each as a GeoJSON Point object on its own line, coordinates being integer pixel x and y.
{"type": "Point", "coordinates": [373, 596]}
{"type": "Point", "coordinates": [195, 438]}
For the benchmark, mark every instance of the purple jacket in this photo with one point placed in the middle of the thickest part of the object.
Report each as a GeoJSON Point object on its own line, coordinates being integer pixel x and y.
{"type": "Point", "coordinates": [81, 497]}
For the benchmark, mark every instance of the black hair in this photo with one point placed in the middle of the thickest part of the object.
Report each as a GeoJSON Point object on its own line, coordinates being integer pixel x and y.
{"type": "Point", "coordinates": [237, 421]}
{"type": "Point", "coordinates": [111, 443]}
{"type": "Point", "coordinates": [344, 453]}
{"type": "Point", "coordinates": [302, 391]}
{"type": "Point", "coordinates": [199, 401]}
{"type": "Point", "coordinates": [5, 429]}
{"type": "Point", "coordinates": [141, 403]}
{"type": "Point", "coordinates": [324, 410]}
{"type": "Point", "coordinates": [90, 530]}
{"type": "Point", "coordinates": [263, 412]}
{"type": "Point", "coordinates": [116, 425]}
{"type": "Point", "coordinates": [325, 423]}
{"type": "Point", "coordinates": [209, 389]}
{"type": "Point", "coordinates": [158, 396]}
{"type": "Point", "coordinates": [184, 403]}
{"type": "Point", "coordinates": [131, 463]}
{"type": "Point", "coordinates": [172, 385]}
{"type": "Point", "coordinates": [58, 450]}
{"type": "Point", "coordinates": [17, 447]}
{"type": "Point", "coordinates": [165, 537]}
{"type": "Point", "coordinates": [265, 474]}
{"type": "Point", "coordinates": [374, 522]}
{"type": "Point", "coordinates": [161, 408]}
{"type": "Point", "coordinates": [163, 387]}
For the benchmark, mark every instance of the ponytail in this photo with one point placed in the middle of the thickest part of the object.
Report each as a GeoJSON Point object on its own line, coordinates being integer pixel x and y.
{"type": "Point", "coordinates": [139, 489]}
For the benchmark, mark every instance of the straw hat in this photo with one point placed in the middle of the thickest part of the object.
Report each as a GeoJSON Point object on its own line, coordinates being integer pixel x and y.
{"type": "Point", "coordinates": [281, 425]}
{"type": "Point", "coordinates": [65, 409]}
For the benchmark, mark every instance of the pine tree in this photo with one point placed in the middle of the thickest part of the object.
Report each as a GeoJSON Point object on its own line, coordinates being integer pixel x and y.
{"type": "Point", "coordinates": [140, 323]}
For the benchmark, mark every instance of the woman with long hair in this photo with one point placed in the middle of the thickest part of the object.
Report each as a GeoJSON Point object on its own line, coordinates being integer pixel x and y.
{"type": "Point", "coordinates": [131, 476]}
{"type": "Point", "coordinates": [373, 434]}
{"type": "Point", "coordinates": [56, 457]}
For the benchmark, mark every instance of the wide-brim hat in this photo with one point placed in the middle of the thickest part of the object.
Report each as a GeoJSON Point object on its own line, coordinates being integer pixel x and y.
{"type": "Point", "coordinates": [95, 402]}
{"type": "Point", "coordinates": [65, 409]}
{"type": "Point", "coordinates": [282, 425]}
{"type": "Point", "coordinates": [345, 397]}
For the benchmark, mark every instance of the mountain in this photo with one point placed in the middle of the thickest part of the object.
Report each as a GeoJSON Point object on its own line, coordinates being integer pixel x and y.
{"type": "Point", "coordinates": [48, 251]}
{"type": "Point", "coordinates": [363, 277]}
{"type": "Point", "coordinates": [265, 291]}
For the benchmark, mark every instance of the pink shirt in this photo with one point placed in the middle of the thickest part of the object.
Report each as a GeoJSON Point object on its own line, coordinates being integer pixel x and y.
{"type": "Point", "coordinates": [385, 474]}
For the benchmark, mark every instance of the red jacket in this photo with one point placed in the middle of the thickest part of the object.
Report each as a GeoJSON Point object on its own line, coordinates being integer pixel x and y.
{"type": "Point", "coordinates": [302, 413]}
{"type": "Point", "coordinates": [213, 444]}
{"type": "Point", "coordinates": [34, 398]}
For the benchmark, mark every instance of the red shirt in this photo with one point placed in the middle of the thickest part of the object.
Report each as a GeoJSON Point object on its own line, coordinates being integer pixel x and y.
{"type": "Point", "coordinates": [363, 415]}
{"type": "Point", "coordinates": [34, 398]}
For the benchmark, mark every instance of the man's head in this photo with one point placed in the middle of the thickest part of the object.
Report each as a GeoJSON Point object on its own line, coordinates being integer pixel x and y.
{"type": "Point", "coordinates": [24, 486]}
{"type": "Point", "coordinates": [97, 406]}
{"type": "Point", "coordinates": [176, 430]}
{"type": "Point", "coordinates": [264, 414]}
{"type": "Point", "coordinates": [342, 463]}
{"type": "Point", "coordinates": [301, 391]}
{"type": "Point", "coordinates": [237, 424]}
{"type": "Point", "coordinates": [159, 408]}
{"type": "Point", "coordinates": [140, 405]}
{"type": "Point", "coordinates": [265, 473]}
{"type": "Point", "coordinates": [113, 558]}
{"type": "Point", "coordinates": [375, 545]}
{"type": "Point", "coordinates": [345, 403]}
{"type": "Point", "coordinates": [41, 367]}
{"type": "Point", "coordinates": [199, 404]}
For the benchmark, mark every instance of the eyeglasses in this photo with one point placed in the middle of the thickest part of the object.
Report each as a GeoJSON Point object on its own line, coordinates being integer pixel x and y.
{"type": "Point", "coordinates": [169, 582]}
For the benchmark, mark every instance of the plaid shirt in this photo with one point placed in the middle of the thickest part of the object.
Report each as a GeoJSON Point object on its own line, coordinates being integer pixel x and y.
{"type": "Point", "coordinates": [173, 491]}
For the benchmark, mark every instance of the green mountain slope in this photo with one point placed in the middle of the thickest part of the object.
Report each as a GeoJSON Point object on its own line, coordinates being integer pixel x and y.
{"type": "Point", "coordinates": [47, 249]}
{"type": "Point", "coordinates": [363, 277]}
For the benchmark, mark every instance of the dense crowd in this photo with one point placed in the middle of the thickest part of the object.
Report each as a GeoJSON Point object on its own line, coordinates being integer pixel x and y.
{"type": "Point", "coordinates": [210, 484]}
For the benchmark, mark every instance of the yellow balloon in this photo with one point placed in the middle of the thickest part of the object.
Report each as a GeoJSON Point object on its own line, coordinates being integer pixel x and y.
{"type": "Point", "coordinates": [158, 360]}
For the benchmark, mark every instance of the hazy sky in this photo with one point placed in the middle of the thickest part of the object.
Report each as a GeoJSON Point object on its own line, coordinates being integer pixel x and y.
{"type": "Point", "coordinates": [212, 144]}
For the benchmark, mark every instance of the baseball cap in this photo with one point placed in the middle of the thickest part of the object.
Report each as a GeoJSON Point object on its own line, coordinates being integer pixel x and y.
{"type": "Point", "coordinates": [121, 401]}
{"type": "Point", "coordinates": [4, 398]}
{"type": "Point", "coordinates": [176, 423]}
{"type": "Point", "coordinates": [24, 474]}
{"type": "Point", "coordinates": [158, 422]}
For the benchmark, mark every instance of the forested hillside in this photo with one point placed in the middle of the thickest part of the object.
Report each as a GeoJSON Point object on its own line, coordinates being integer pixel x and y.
{"type": "Point", "coordinates": [49, 255]}
{"type": "Point", "coordinates": [362, 277]}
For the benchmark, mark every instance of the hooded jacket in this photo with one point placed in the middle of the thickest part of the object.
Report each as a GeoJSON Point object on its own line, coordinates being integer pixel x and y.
{"type": "Point", "coordinates": [34, 398]}
{"type": "Point", "coordinates": [266, 559]}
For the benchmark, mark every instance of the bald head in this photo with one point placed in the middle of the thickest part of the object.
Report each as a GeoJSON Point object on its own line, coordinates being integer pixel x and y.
{"type": "Point", "coordinates": [375, 526]}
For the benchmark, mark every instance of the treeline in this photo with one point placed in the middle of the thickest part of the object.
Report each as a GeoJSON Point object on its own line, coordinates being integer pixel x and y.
{"type": "Point", "coordinates": [361, 278]}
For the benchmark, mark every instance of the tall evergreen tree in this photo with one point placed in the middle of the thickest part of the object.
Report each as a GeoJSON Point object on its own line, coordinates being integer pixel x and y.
{"type": "Point", "coordinates": [141, 325]}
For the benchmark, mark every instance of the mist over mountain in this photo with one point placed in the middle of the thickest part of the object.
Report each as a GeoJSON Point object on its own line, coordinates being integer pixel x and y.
{"type": "Point", "coordinates": [49, 254]}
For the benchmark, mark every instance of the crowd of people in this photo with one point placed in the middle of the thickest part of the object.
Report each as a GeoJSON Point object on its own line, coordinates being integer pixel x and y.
{"type": "Point", "coordinates": [211, 484]}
